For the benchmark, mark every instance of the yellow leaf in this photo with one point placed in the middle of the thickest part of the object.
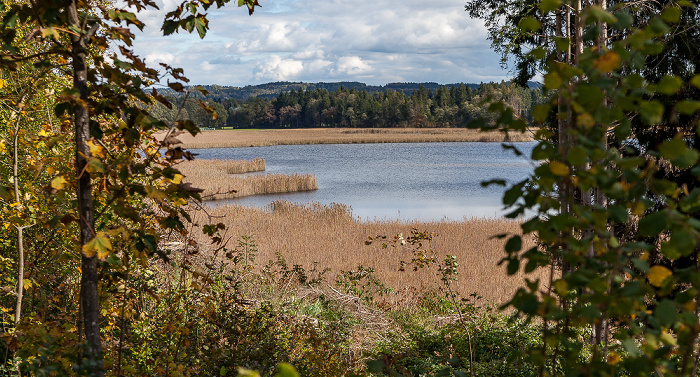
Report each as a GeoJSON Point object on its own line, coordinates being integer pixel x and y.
{"type": "Point", "coordinates": [607, 62]}
{"type": "Point", "coordinates": [100, 245]}
{"type": "Point", "coordinates": [614, 358]}
{"type": "Point", "coordinates": [638, 209]}
{"type": "Point", "coordinates": [2, 146]}
{"type": "Point", "coordinates": [658, 274]}
{"type": "Point", "coordinates": [242, 372]}
{"type": "Point", "coordinates": [561, 287]}
{"type": "Point", "coordinates": [96, 149]}
{"type": "Point", "coordinates": [27, 283]}
{"type": "Point", "coordinates": [154, 193]}
{"type": "Point", "coordinates": [58, 183]}
{"type": "Point", "coordinates": [177, 179]}
{"type": "Point", "coordinates": [2, 83]}
{"type": "Point", "coordinates": [558, 168]}
{"type": "Point", "coordinates": [668, 338]}
{"type": "Point", "coordinates": [586, 120]}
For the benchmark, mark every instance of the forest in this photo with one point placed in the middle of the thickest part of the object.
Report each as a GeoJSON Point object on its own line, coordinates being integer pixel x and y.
{"type": "Point", "coordinates": [394, 105]}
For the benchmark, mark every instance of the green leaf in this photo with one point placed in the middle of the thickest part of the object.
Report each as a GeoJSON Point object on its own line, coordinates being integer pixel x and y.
{"type": "Point", "coordinates": [541, 112]}
{"type": "Point", "coordinates": [669, 85]}
{"type": "Point", "coordinates": [682, 243]}
{"type": "Point", "coordinates": [286, 370]}
{"type": "Point", "coordinates": [62, 108]}
{"type": "Point", "coordinates": [671, 15]}
{"type": "Point", "coordinates": [514, 244]}
{"type": "Point", "coordinates": [618, 213]}
{"type": "Point", "coordinates": [547, 6]}
{"type": "Point", "coordinates": [678, 152]}
{"type": "Point", "coordinates": [200, 24]}
{"type": "Point", "coordinates": [5, 192]}
{"type": "Point", "coordinates": [696, 81]}
{"type": "Point", "coordinates": [561, 287]}
{"type": "Point", "coordinates": [542, 151]}
{"type": "Point", "coordinates": [169, 27]}
{"type": "Point", "coordinates": [552, 81]}
{"type": "Point", "coordinates": [95, 165]}
{"type": "Point", "coordinates": [243, 372]}
{"type": "Point", "coordinates": [651, 111]}
{"type": "Point", "coordinates": [601, 14]}
{"type": "Point", "coordinates": [10, 20]}
{"type": "Point", "coordinates": [529, 24]}
{"type": "Point", "coordinates": [653, 224]}
{"type": "Point", "coordinates": [589, 96]}
{"type": "Point", "coordinates": [665, 312]}
{"type": "Point", "coordinates": [624, 20]}
{"type": "Point", "coordinates": [688, 107]}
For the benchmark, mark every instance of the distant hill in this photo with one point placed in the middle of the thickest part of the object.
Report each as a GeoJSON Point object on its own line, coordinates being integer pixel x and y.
{"type": "Point", "coordinates": [272, 90]}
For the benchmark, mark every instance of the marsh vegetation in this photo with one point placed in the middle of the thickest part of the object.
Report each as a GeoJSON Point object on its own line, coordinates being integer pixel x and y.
{"type": "Point", "coordinates": [259, 138]}
{"type": "Point", "coordinates": [222, 179]}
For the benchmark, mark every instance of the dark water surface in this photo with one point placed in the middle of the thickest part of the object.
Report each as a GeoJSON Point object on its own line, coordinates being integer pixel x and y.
{"type": "Point", "coordinates": [427, 181]}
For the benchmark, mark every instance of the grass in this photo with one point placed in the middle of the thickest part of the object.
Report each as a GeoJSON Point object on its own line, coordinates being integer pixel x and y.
{"type": "Point", "coordinates": [218, 179]}
{"type": "Point", "coordinates": [258, 138]}
{"type": "Point", "coordinates": [332, 238]}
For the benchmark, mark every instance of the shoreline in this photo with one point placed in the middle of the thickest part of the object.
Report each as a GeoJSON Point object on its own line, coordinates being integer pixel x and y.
{"type": "Point", "coordinates": [304, 136]}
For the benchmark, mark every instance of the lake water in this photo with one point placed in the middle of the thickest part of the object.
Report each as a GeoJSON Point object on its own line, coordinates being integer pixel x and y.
{"type": "Point", "coordinates": [427, 181]}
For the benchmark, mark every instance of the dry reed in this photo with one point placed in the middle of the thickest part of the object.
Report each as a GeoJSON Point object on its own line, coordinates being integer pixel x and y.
{"type": "Point", "coordinates": [329, 235]}
{"type": "Point", "coordinates": [258, 138]}
{"type": "Point", "coordinates": [216, 179]}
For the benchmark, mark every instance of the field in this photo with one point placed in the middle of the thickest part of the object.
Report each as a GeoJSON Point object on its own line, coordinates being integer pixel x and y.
{"type": "Point", "coordinates": [215, 177]}
{"type": "Point", "coordinates": [258, 138]}
{"type": "Point", "coordinates": [332, 238]}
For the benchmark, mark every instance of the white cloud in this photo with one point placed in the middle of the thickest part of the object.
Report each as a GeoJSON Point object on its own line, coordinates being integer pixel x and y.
{"type": "Point", "coordinates": [160, 57]}
{"type": "Point", "coordinates": [278, 69]}
{"type": "Point", "coordinates": [352, 65]}
{"type": "Point", "coordinates": [374, 41]}
{"type": "Point", "coordinates": [207, 67]}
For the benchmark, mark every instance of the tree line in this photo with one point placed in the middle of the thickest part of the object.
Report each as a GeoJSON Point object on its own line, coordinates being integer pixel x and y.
{"type": "Point", "coordinates": [446, 106]}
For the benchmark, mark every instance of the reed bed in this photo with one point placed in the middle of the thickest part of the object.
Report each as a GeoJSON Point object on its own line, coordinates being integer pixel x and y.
{"type": "Point", "coordinates": [333, 238]}
{"type": "Point", "coordinates": [259, 138]}
{"type": "Point", "coordinates": [217, 179]}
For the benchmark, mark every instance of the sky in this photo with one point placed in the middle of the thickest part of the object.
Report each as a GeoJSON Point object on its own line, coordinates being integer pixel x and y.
{"type": "Point", "coordinates": [371, 41]}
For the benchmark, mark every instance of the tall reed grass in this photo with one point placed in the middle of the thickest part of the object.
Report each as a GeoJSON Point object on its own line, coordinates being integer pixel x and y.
{"type": "Point", "coordinates": [218, 179]}
{"type": "Point", "coordinates": [333, 238]}
{"type": "Point", "coordinates": [258, 138]}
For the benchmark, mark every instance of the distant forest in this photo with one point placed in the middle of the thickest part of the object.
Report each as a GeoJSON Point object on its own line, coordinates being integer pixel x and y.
{"type": "Point", "coordinates": [348, 104]}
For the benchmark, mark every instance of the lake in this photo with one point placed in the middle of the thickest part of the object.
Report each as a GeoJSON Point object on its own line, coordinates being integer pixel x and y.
{"type": "Point", "coordinates": [426, 181]}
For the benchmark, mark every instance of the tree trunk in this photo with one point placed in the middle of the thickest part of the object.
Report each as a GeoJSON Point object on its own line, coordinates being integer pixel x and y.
{"type": "Point", "coordinates": [20, 229]}
{"type": "Point", "coordinates": [89, 295]}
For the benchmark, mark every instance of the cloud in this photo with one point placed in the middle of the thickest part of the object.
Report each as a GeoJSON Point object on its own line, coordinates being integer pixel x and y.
{"type": "Point", "coordinates": [374, 41]}
{"type": "Point", "coordinates": [278, 69]}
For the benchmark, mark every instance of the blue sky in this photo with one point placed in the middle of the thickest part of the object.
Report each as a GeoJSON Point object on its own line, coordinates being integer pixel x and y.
{"type": "Point", "coordinates": [371, 41]}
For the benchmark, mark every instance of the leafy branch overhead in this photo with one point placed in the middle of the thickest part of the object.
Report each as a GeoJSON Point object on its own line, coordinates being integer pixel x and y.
{"type": "Point", "coordinates": [187, 16]}
{"type": "Point", "coordinates": [613, 202]}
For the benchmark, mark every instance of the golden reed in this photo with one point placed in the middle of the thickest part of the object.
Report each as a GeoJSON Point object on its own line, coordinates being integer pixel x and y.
{"type": "Point", "coordinates": [218, 179]}
{"type": "Point", "coordinates": [331, 236]}
{"type": "Point", "coordinates": [259, 138]}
